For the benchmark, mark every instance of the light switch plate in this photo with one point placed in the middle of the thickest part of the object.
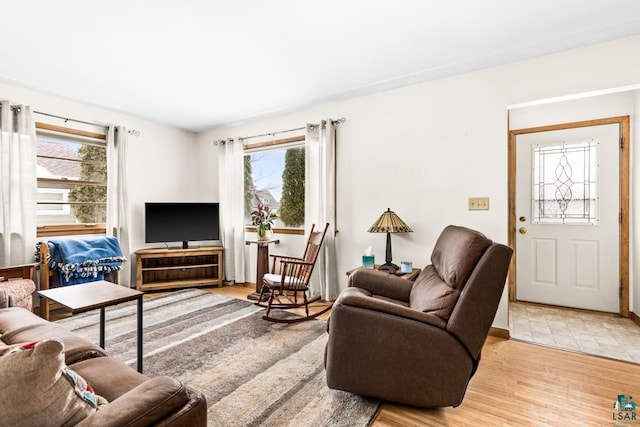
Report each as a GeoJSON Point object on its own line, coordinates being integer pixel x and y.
{"type": "Point", "coordinates": [478, 203]}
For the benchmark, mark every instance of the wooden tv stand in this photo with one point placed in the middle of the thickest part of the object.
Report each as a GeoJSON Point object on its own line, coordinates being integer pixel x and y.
{"type": "Point", "coordinates": [161, 268]}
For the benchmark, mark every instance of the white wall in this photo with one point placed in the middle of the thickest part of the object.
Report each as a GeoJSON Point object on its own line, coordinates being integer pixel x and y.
{"type": "Point", "coordinates": [422, 150]}
{"type": "Point", "coordinates": [589, 107]}
{"type": "Point", "coordinates": [159, 161]}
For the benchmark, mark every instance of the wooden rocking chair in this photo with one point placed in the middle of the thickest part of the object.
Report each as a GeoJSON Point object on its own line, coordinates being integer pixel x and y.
{"type": "Point", "coordinates": [288, 277]}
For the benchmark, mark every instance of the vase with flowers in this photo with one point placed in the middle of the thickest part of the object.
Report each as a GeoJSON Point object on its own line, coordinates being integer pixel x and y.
{"type": "Point", "coordinates": [263, 218]}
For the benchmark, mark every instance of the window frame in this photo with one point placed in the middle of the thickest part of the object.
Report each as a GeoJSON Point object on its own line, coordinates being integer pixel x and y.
{"type": "Point", "coordinates": [47, 129]}
{"type": "Point", "coordinates": [283, 144]}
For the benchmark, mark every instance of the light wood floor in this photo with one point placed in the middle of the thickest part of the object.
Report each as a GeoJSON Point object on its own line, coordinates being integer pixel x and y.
{"type": "Point", "coordinates": [522, 384]}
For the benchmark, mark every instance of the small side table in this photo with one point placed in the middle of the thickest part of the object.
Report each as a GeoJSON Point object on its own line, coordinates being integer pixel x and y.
{"type": "Point", "coordinates": [262, 264]}
{"type": "Point", "coordinates": [407, 276]}
{"type": "Point", "coordinates": [99, 294]}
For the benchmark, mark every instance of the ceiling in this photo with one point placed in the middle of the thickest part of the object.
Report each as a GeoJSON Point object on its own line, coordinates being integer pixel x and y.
{"type": "Point", "coordinates": [198, 64]}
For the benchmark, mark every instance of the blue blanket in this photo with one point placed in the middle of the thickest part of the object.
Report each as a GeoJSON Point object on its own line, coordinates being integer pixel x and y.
{"type": "Point", "coordinates": [80, 260]}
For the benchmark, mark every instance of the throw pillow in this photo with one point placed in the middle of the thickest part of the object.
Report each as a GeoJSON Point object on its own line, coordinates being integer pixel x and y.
{"type": "Point", "coordinates": [40, 390]}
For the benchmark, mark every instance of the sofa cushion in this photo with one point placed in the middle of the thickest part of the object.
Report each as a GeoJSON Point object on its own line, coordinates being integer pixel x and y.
{"type": "Point", "coordinates": [109, 377]}
{"type": "Point", "coordinates": [430, 294]}
{"type": "Point", "coordinates": [39, 389]}
{"type": "Point", "coordinates": [456, 253]}
{"type": "Point", "coordinates": [18, 325]}
{"type": "Point", "coordinates": [143, 405]}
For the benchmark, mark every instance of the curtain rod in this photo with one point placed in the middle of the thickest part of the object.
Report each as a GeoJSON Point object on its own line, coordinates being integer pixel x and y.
{"type": "Point", "coordinates": [67, 119]}
{"type": "Point", "coordinates": [272, 133]}
{"type": "Point", "coordinates": [335, 122]}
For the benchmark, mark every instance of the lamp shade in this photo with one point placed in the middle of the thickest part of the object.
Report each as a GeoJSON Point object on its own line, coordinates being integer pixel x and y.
{"type": "Point", "coordinates": [389, 222]}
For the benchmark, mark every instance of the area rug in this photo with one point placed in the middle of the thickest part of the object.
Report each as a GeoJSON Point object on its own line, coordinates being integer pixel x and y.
{"type": "Point", "coordinates": [252, 372]}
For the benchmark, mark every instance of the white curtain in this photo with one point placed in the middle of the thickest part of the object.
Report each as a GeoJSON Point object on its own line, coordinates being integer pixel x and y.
{"type": "Point", "coordinates": [231, 190]}
{"type": "Point", "coordinates": [117, 224]}
{"type": "Point", "coordinates": [18, 186]}
{"type": "Point", "coordinates": [320, 207]}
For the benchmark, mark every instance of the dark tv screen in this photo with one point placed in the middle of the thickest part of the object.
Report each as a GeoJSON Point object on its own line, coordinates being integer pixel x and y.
{"type": "Point", "coordinates": [181, 222]}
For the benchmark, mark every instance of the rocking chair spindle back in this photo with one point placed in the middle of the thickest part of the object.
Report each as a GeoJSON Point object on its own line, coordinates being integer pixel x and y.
{"type": "Point", "coordinates": [289, 276]}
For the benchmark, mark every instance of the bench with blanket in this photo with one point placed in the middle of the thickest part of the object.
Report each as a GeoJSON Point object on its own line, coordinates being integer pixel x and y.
{"type": "Point", "coordinates": [68, 261]}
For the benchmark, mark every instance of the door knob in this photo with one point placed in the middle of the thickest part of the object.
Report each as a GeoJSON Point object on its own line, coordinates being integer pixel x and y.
{"type": "Point", "coordinates": [522, 230]}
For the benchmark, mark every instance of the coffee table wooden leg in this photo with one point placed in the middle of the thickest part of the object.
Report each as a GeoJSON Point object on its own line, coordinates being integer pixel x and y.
{"type": "Point", "coordinates": [139, 334]}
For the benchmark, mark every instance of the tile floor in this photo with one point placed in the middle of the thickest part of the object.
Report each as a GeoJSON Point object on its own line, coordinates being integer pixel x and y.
{"type": "Point", "coordinates": [587, 332]}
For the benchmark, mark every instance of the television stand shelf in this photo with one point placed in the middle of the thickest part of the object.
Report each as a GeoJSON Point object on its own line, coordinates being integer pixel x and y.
{"type": "Point", "coordinates": [160, 268]}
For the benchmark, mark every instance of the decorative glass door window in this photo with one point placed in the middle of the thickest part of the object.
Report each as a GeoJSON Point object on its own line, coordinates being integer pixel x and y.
{"type": "Point", "coordinates": [565, 183]}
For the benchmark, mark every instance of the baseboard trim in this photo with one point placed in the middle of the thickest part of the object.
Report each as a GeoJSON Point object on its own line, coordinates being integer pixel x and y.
{"type": "Point", "coordinates": [499, 333]}
{"type": "Point", "coordinates": [634, 317]}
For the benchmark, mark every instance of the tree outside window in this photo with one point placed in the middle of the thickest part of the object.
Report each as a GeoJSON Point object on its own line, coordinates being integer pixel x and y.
{"type": "Point", "coordinates": [291, 210]}
{"type": "Point", "coordinates": [92, 198]}
{"type": "Point", "coordinates": [276, 178]}
{"type": "Point", "coordinates": [72, 181]}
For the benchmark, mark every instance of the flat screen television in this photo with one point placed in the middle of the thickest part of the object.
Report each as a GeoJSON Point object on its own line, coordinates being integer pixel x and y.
{"type": "Point", "coordinates": [181, 222]}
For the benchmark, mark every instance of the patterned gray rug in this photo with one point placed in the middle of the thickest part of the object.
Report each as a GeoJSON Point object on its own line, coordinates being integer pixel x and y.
{"type": "Point", "coordinates": [252, 372]}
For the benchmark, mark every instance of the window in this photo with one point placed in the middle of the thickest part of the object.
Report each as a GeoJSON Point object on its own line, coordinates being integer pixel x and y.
{"type": "Point", "coordinates": [564, 183]}
{"type": "Point", "coordinates": [275, 176]}
{"type": "Point", "coordinates": [72, 181]}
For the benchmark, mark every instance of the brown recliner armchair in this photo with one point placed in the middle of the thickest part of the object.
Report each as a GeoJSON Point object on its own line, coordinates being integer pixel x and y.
{"type": "Point", "coordinates": [418, 343]}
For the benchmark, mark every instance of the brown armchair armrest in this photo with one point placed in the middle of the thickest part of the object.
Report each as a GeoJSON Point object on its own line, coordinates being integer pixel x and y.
{"type": "Point", "coordinates": [356, 297]}
{"type": "Point", "coordinates": [144, 405]}
{"type": "Point", "coordinates": [383, 284]}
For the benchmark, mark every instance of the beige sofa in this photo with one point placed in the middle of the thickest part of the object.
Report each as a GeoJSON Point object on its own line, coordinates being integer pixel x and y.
{"type": "Point", "coordinates": [134, 399]}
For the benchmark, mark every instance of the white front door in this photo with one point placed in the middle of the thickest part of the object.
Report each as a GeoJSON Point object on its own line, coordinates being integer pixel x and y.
{"type": "Point", "coordinates": [567, 217]}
